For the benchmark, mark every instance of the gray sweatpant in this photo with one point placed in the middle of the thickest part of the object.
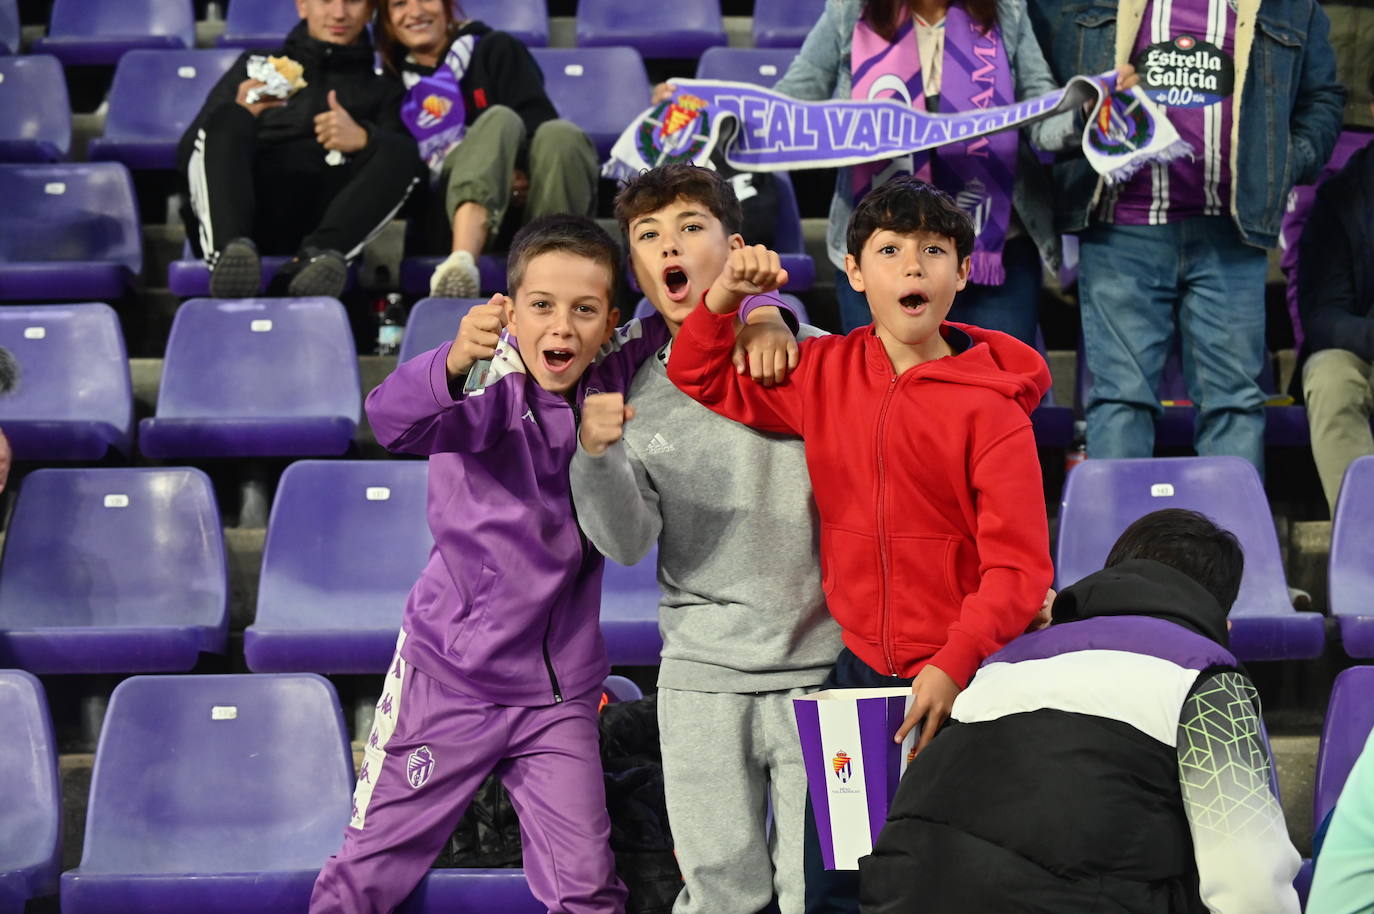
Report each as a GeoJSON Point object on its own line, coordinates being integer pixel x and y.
{"type": "Point", "coordinates": [724, 756]}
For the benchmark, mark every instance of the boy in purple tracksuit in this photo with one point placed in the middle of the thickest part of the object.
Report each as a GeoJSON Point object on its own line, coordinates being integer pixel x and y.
{"type": "Point", "coordinates": [500, 656]}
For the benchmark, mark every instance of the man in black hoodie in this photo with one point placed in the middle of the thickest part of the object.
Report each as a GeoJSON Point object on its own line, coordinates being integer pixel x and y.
{"type": "Point", "coordinates": [315, 175]}
{"type": "Point", "coordinates": [1336, 303]}
{"type": "Point", "coordinates": [1114, 761]}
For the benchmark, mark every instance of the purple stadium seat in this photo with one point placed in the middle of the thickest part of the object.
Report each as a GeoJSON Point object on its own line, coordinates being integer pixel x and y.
{"type": "Point", "coordinates": [9, 27]}
{"type": "Point", "coordinates": [1351, 572]}
{"type": "Point", "coordinates": [527, 20]}
{"type": "Point", "coordinates": [433, 321]}
{"type": "Point", "coordinates": [333, 604]}
{"type": "Point", "coordinates": [629, 612]}
{"type": "Point", "coordinates": [618, 688]}
{"type": "Point", "coordinates": [1349, 720]}
{"type": "Point", "coordinates": [791, 247]}
{"type": "Point", "coordinates": [98, 33]}
{"type": "Point", "coordinates": [759, 66]}
{"type": "Point", "coordinates": [35, 113]}
{"type": "Point", "coordinates": [416, 273]}
{"type": "Point", "coordinates": [74, 400]}
{"type": "Point", "coordinates": [255, 377]}
{"type": "Point", "coordinates": [601, 90]}
{"type": "Point", "coordinates": [784, 23]}
{"type": "Point", "coordinates": [189, 277]}
{"type": "Point", "coordinates": [460, 891]}
{"type": "Point", "coordinates": [30, 817]}
{"type": "Point", "coordinates": [260, 24]}
{"type": "Point", "coordinates": [681, 30]}
{"type": "Point", "coordinates": [113, 571]}
{"type": "Point", "coordinates": [644, 309]}
{"type": "Point", "coordinates": [213, 794]}
{"type": "Point", "coordinates": [154, 98]}
{"type": "Point", "coordinates": [1102, 497]}
{"type": "Point", "coordinates": [68, 232]}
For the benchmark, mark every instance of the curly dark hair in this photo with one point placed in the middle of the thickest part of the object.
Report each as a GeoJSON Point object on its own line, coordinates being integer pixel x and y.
{"type": "Point", "coordinates": [656, 188]}
{"type": "Point", "coordinates": [907, 205]}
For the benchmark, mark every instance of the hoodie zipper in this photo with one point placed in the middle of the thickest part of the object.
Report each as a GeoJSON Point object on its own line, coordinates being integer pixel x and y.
{"type": "Point", "coordinates": [548, 625]}
{"type": "Point", "coordinates": [885, 623]}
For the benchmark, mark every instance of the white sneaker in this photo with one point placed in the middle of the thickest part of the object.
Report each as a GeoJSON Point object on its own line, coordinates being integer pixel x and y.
{"type": "Point", "coordinates": [456, 277]}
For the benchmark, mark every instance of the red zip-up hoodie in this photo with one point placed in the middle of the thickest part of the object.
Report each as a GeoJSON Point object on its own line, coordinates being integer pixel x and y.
{"type": "Point", "coordinates": [934, 543]}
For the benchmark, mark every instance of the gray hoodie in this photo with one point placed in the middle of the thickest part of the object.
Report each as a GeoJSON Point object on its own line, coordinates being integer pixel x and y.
{"type": "Point", "coordinates": [731, 510]}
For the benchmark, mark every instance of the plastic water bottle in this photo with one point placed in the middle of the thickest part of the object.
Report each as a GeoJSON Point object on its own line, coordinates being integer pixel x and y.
{"type": "Point", "coordinates": [1078, 451]}
{"type": "Point", "coordinates": [391, 324]}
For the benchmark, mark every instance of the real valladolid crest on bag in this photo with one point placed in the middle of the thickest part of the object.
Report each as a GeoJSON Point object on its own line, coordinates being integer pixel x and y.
{"type": "Point", "coordinates": [757, 129]}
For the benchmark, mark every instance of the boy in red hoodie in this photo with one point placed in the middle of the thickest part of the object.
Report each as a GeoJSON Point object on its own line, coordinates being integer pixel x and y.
{"type": "Point", "coordinates": [934, 543]}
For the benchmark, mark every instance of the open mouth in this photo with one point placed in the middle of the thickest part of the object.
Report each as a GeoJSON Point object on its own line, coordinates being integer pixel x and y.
{"type": "Point", "coordinates": [558, 360]}
{"type": "Point", "coordinates": [676, 282]}
{"type": "Point", "coordinates": [914, 303]}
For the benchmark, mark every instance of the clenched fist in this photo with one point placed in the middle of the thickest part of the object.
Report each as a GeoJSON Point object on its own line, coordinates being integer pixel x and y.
{"type": "Point", "coordinates": [750, 270]}
{"type": "Point", "coordinates": [603, 422]}
{"type": "Point", "coordinates": [477, 336]}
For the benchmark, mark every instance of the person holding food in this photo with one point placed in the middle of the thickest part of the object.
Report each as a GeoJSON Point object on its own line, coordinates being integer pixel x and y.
{"type": "Point", "coordinates": [299, 152]}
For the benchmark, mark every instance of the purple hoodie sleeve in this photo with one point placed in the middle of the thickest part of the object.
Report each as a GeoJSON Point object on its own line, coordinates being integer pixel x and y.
{"type": "Point", "coordinates": [414, 412]}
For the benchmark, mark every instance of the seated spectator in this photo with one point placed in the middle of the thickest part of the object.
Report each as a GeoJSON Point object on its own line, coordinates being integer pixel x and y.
{"type": "Point", "coordinates": [1336, 303]}
{"type": "Point", "coordinates": [1344, 879]}
{"type": "Point", "coordinates": [315, 175]}
{"type": "Point", "coordinates": [495, 146]}
{"type": "Point", "coordinates": [1113, 761]}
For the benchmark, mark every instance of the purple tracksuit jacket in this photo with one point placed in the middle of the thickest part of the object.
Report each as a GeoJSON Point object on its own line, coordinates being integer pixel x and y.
{"type": "Point", "coordinates": [507, 609]}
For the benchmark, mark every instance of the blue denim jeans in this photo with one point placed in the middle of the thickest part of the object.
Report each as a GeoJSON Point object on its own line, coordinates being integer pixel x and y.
{"type": "Point", "coordinates": [1012, 307]}
{"type": "Point", "coordinates": [1141, 284]}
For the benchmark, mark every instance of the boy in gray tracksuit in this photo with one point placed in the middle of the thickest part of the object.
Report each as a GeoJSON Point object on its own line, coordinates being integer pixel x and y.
{"type": "Point", "coordinates": [744, 621]}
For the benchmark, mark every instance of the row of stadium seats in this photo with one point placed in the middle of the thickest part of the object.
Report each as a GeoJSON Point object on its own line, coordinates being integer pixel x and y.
{"type": "Point", "coordinates": [99, 33]}
{"type": "Point", "coordinates": [209, 794]}
{"type": "Point", "coordinates": [123, 570]}
{"type": "Point", "coordinates": [156, 94]}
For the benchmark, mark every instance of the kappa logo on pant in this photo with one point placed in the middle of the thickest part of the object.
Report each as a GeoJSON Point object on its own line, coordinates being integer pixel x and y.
{"type": "Point", "coordinates": [419, 766]}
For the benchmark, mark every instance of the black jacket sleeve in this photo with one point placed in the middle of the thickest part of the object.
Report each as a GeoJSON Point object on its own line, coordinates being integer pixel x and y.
{"type": "Point", "coordinates": [512, 78]}
{"type": "Point", "coordinates": [1329, 261]}
{"type": "Point", "coordinates": [225, 92]}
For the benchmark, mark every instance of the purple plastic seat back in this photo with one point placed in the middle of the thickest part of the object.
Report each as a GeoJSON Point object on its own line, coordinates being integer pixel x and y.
{"type": "Point", "coordinates": [35, 113]}
{"type": "Point", "coordinates": [30, 817]}
{"type": "Point", "coordinates": [416, 273]}
{"type": "Point", "coordinates": [618, 688]}
{"type": "Point", "coordinates": [260, 24]}
{"type": "Point", "coordinates": [218, 774]}
{"type": "Point", "coordinates": [110, 569]}
{"type": "Point", "coordinates": [784, 23]}
{"type": "Point", "coordinates": [334, 603]}
{"type": "Point", "coordinates": [65, 217]}
{"type": "Point", "coordinates": [9, 27]}
{"type": "Point", "coordinates": [432, 322]}
{"type": "Point", "coordinates": [759, 66]}
{"type": "Point", "coordinates": [1103, 497]}
{"type": "Point", "coordinates": [681, 30]}
{"type": "Point", "coordinates": [629, 611]}
{"type": "Point", "coordinates": [256, 376]}
{"type": "Point", "coordinates": [98, 33]}
{"type": "Point", "coordinates": [601, 90]}
{"type": "Point", "coordinates": [527, 20]}
{"type": "Point", "coordinates": [644, 308]}
{"type": "Point", "coordinates": [1349, 720]}
{"type": "Point", "coordinates": [74, 400]}
{"type": "Point", "coordinates": [1351, 571]}
{"type": "Point", "coordinates": [153, 99]}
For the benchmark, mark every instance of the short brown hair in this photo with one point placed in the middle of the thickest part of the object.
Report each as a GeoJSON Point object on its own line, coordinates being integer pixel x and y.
{"type": "Point", "coordinates": [651, 190]}
{"type": "Point", "coordinates": [906, 205]}
{"type": "Point", "coordinates": [576, 235]}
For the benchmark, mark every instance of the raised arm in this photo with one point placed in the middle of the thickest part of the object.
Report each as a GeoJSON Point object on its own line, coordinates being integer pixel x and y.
{"type": "Point", "coordinates": [616, 504]}
{"type": "Point", "coordinates": [421, 409]}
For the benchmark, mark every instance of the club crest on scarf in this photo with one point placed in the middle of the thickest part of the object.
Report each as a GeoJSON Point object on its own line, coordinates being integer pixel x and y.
{"type": "Point", "coordinates": [676, 130]}
{"type": "Point", "coordinates": [843, 765]}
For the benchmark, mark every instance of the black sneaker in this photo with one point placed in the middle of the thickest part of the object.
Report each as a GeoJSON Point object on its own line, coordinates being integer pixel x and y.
{"type": "Point", "coordinates": [237, 272]}
{"type": "Point", "coordinates": [317, 272]}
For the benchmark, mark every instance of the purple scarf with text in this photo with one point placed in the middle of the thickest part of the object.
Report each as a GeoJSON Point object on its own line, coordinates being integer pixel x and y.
{"type": "Point", "coordinates": [980, 173]}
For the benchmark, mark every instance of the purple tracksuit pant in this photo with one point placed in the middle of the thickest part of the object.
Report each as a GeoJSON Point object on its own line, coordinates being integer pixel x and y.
{"type": "Point", "coordinates": [430, 749]}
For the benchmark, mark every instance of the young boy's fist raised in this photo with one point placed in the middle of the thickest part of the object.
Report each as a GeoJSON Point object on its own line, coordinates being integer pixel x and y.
{"type": "Point", "coordinates": [750, 270]}
{"type": "Point", "coordinates": [477, 335]}
{"type": "Point", "coordinates": [603, 421]}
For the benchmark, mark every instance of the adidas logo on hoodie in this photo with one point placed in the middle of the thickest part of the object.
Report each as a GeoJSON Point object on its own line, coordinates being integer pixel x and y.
{"type": "Point", "coordinates": [658, 445]}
